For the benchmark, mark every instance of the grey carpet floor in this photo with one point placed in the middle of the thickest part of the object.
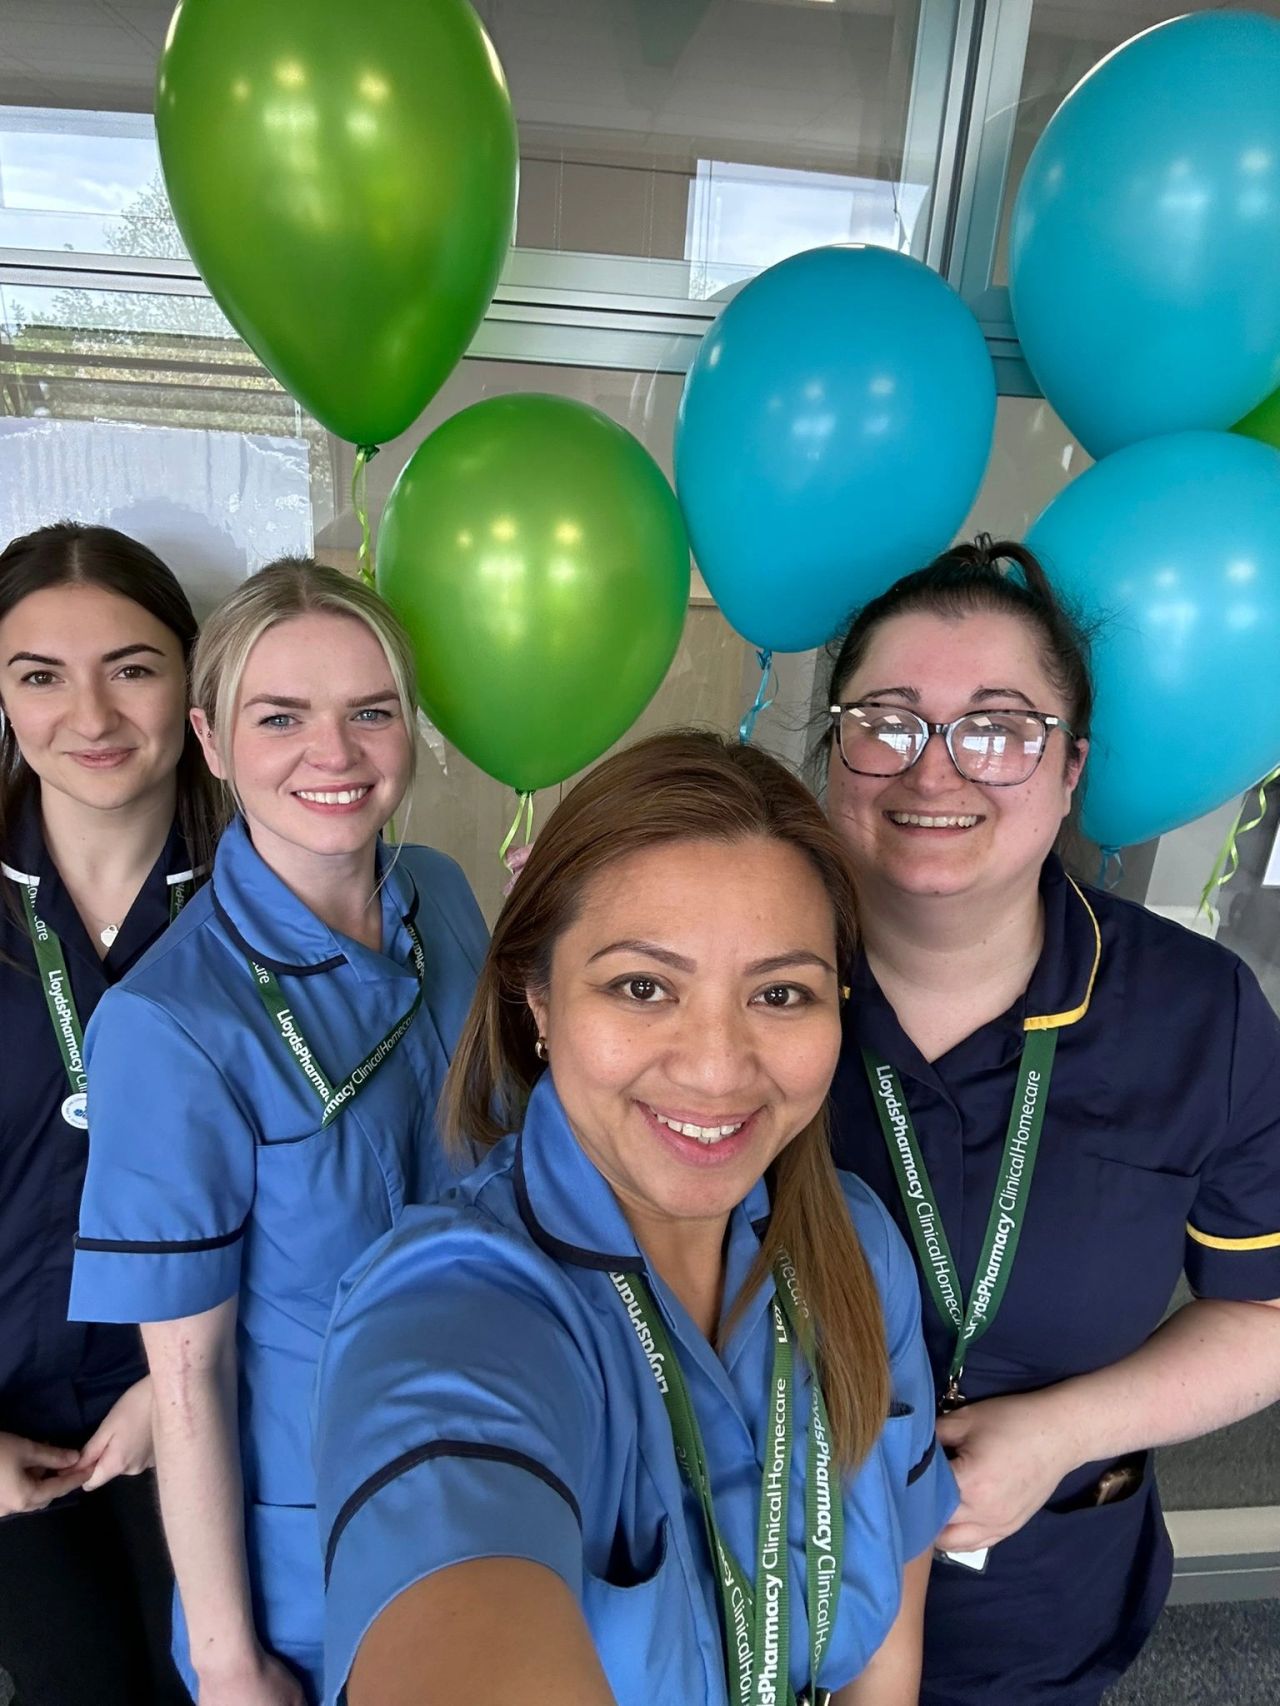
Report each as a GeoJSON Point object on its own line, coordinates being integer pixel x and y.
{"type": "Point", "coordinates": [1208, 1655]}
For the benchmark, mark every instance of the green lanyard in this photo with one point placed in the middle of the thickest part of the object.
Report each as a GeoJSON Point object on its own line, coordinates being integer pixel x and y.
{"type": "Point", "coordinates": [56, 980]}
{"type": "Point", "coordinates": [1008, 1205]}
{"type": "Point", "coordinates": [281, 1015]}
{"type": "Point", "coordinates": [755, 1620]}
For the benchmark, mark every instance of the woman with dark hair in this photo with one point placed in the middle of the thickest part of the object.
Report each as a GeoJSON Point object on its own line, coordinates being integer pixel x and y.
{"type": "Point", "coordinates": [640, 1416]}
{"type": "Point", "coordinates": [107, 819]}
{"type": "Point", "coordinates": [1066, 1101]}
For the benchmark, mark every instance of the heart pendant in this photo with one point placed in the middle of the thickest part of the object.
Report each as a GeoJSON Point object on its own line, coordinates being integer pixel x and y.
{"type": "Point", "coordinates": [108, 936]}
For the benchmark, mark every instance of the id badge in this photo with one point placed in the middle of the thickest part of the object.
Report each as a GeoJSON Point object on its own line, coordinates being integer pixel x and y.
{"type": "Point", "coordinates": [975, 1561]}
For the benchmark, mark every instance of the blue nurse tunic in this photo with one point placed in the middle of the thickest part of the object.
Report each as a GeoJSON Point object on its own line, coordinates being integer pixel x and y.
{"type": "Point", "coordinates": [483, 1394]}
{"type": "Point", "coordinates": [209, 1176]}
{"type": "Point", "coordinates": [1160, 1152]}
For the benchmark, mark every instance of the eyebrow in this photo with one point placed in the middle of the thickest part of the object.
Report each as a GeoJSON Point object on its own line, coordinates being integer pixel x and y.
{"type": "Point", "coordinates": [107, 657]}
{"type": "Point", "coordinates": [285, 703]}
{"type": "Point", "coordinates": [985, 694]}
{"type": "Point", "coordinates": [758, 968]}
{"type": "Point", "coordinates": [982, 696]}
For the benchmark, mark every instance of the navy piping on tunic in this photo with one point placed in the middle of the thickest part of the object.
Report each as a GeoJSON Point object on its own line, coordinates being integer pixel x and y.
{"type": "Point", "coordinates": [423, 1454]}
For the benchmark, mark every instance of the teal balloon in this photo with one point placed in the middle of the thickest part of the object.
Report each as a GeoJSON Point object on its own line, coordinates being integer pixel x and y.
{"type": "Point", "coordinates": [344, 177]}
{"type": "Point", "coordinates": [1170, 550]}
{"type": "Point", "coordinates": [832, 436]}
{"type": "Point", "coordinates": [536, 554]}
{"type": "Point", "coordinates": [1144, 267]}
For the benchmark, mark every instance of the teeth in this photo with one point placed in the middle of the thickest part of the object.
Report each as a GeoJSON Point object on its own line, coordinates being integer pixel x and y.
{"type": "Point", "coordinates": [703, 1133]}
{"type": "Point", "coordinates": [333, 796]}
{"type": "Point", "coordinates": [923, 822]}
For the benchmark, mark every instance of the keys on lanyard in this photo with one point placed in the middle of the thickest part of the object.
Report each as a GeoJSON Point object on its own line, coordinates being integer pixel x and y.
{"type": "Point", "coordinates": [952, 1398]}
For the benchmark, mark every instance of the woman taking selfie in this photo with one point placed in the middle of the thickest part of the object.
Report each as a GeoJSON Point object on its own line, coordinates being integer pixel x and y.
{"type": "Point", "coordinates": [642, 1413]}
{"type": "Point", "coordinates": [263, 1094]}
{"type": "Point", "coordinates": [1066, 1101]}
{"type": "Point", "coordinates": [106, 816]}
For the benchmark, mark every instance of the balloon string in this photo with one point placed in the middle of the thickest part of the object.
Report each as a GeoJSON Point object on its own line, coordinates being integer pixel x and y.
{"type": "Point", "coordinates": [1227, 863]}
{"type": "Point", "coordinates": [1107, 878]}
{"type": "Point", "coordinates": [763, 699]}
{"type": "Point", "coordinates": [365, 454]}
{"type": "Point", "coordinates": [524, 809]}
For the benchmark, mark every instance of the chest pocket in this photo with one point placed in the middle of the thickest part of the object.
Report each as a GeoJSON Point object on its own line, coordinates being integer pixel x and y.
{"type": "Point", "coordinates": [645, 1631]}
{"type": "Point", "coordinates": [319, 1203]}
{"type": "Point", "coordinates": [1112, 1255]}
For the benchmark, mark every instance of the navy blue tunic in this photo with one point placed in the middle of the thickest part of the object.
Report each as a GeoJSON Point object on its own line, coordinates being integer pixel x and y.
{"type": "Point", "coordinates": [58, 1378]}
{"type": "Point", "coordinates": [1160, 1152]}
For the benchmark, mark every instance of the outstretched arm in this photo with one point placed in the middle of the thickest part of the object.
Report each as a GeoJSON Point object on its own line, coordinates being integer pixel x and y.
{"type": "Point", "coordinates": [500, 1630]}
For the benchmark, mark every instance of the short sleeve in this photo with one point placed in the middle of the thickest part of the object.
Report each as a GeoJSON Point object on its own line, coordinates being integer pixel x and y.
{"type": "Point", "coordinates": [924, 1487]}
{"type": "Point", "coordinates": [457, 1419]}
{"type": "Point", "coordinates": [170, 1179]}
{"type": "Point", "coordinates": [1233, 1234]}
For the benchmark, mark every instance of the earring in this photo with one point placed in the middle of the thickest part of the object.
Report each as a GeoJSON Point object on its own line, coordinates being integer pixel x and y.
{"type": "Point", "coordinates": [541, 1050]}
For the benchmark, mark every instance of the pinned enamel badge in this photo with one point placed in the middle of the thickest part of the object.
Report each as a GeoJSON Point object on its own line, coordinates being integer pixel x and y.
{"type": "Point", "coordinates": [75, 1110]}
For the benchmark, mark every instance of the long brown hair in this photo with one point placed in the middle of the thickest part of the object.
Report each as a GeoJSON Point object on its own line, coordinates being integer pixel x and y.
{"type": "Point", "coordinates": [71, 553]}
{"type": "Point", "coordinates": [687, 786]}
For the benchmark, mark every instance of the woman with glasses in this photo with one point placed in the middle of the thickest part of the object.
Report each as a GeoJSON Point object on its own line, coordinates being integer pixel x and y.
{"type": "Point", "coordinates": [1066, 1101]}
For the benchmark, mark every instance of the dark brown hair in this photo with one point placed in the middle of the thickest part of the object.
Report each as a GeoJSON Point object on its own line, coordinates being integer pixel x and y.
{"type": "Point", "coordinates": [686, 786]}
{"type": "Point", "coordinates": [969, 578]}
{"type": "Point", "coordinates": [71, 553]}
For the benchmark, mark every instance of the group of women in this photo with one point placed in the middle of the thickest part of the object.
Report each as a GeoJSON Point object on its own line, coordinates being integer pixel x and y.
{"type": "Point", "coordinates": [743, 1278]}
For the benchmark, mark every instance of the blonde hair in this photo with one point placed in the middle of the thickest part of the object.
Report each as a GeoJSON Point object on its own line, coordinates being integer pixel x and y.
{"type": "Point", "coordinates": [289, 587]}
{"type": "Point", "coordinates": [686, 786]}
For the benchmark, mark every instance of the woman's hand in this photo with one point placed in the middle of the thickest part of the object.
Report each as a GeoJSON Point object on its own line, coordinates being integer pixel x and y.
{"type": "Point", "coordinates": [122, 1444]}
{"type": "Point", "coordinates": [34, 1475]}
{"type": "Point", "coordinates": [1008, 1455]}
{"type": "Point", "coordinates": [263, 1681]}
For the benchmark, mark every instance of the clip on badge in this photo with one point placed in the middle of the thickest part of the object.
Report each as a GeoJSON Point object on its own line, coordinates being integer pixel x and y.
{"type": "Point", "coordinates": [976, 1561]}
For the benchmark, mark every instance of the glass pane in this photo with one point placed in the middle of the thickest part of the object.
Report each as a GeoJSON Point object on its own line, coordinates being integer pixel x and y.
{"type": "Point", "coordinates": [724, 133]}
{"type": "Point", "coordinates": [145, 411]}
{"type": "Point", "coordinates": [1067, 40]}
{"type": "Point", "coordinates": [88, 183]}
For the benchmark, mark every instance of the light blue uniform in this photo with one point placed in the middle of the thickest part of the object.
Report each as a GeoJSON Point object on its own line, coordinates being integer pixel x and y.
{"type": "Point", "coordinates": [210, 1178]}
{"type": "Point", "coordinates": [482, 1393]}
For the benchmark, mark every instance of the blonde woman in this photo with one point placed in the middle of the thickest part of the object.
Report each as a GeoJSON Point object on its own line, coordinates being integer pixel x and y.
{"type": "Point", "coordinates": [642, 1414]}
{"type": "Point", "coordinates": [262, 1096]}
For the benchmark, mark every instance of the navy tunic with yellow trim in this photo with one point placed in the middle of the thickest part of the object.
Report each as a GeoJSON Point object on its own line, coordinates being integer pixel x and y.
{"type": "Point", "coordinates": [1160, 1152]}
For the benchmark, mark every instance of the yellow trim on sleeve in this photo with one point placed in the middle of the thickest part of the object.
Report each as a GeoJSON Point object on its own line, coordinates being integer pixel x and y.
{"type": "Point", "coordinates": [1054, 1021]}
{"type": "Point", "coordinates": [1268, 1241]}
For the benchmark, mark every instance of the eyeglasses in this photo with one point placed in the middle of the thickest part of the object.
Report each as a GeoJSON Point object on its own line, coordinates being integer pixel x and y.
{"type": "Point", "coordinates": [997, 748]}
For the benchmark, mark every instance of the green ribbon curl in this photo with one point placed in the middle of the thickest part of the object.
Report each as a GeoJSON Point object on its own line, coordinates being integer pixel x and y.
{"type": "Point", "coordinates": [365, 454]}
{"type": "Point", "coordinates": [524, 809]}
{"type": "Point", "coordinates": [1227, 863]}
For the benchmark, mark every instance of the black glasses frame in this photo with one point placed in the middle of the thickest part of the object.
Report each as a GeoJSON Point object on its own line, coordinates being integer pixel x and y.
{"type": "Point", "coordinates": [1045, 718]}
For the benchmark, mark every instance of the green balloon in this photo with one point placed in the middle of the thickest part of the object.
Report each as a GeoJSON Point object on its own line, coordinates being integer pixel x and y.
{"type": "Point", "coordinates": [1263, 422]}
{"type": "Point", "coordinates": [344, 177]}
{"type": "Point", "coordinates": [537, 556]}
